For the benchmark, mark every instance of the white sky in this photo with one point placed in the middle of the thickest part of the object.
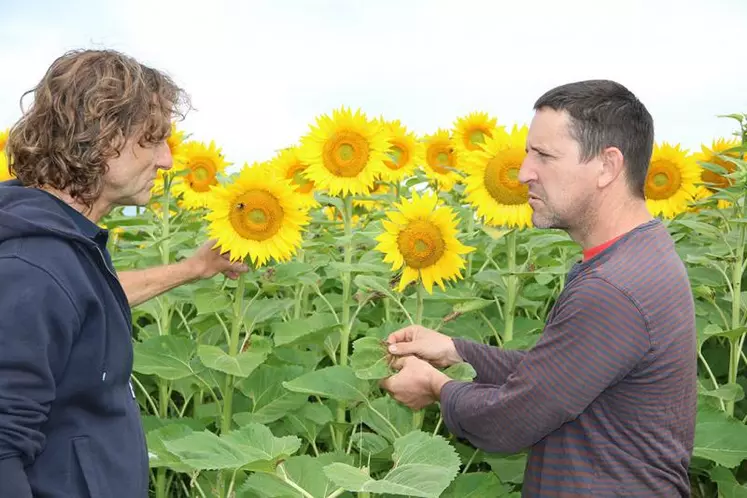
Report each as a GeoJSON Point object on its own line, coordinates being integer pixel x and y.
{"type": "Point", "coordinates": [259, 71]}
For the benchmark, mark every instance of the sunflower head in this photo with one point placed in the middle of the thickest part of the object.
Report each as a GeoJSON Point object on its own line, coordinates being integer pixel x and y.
{"type": "Point", "coordinates": [203, 164]}
{"type": "Point", "coordinates": [175, 141]}
{"type": "Point", "coordinates": [716, 155]}
{"type": "Point", "coordinates": [259, 215]}
{"type": "Point", "coordinates": [492, 181]}
{"type": "Point", "coordinates": [288, 165]}
{"type": "Point", "coordinates": [421, 237]}
{"type": "Point", "coordinates": [345, 152]}
{"type": "Point", "coordinates": [441, 159]}
{"type": "Point", "coordinates": [671, 180]}
{"type": "Point", "coordinates": [471, 131]}
{"type": "Point", "coordinates": [4, 172]}
{"type": "Point", "coordinates": [404, 155]}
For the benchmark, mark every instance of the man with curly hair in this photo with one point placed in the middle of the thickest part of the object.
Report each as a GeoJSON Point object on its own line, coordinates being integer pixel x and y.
{"type": "Point", "coordinates": [94, 138]}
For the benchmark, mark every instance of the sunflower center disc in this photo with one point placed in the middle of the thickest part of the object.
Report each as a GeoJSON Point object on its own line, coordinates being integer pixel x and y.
{"type": "Point", "coordinates": [256, 215]}
{"type": "Point", "coordinates": [440, 158]}
{"type": "Point", "coordinates": [502, 182]}
{"type": "Point", "coordinates": [399, 157]}
{"type": "Point", "coordinates": [421, 244]}
{"type": "Point", "coordinates": [345, 154]}
{"type": "Point", "coordinates": [711, 177]}
{"type": "Point", "coordinates": [201, 177]}
{"type": "Point", "coordinates": [663, 180]}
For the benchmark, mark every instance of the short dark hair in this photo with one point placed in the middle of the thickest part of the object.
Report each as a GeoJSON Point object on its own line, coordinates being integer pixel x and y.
{"type": "Point", "coordinates": [604, 113]}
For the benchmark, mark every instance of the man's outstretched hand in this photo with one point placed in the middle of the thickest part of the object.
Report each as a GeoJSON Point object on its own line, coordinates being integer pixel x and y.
{"type": "Point", "coordinates": [208, 262]}
{"type": "Point", "coordinates": [436, 348]}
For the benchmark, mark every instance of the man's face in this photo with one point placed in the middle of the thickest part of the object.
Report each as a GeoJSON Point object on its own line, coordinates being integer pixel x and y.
{"type": "Point", "coordinates": [131, 176]}
{"type": "Point", "coordinates": [562, 190]}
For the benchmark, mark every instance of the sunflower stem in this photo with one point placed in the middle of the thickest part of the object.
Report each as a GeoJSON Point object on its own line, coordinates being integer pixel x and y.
{"type": "Point", "coordinates": [233, 348]}
{"type": "Point", "coordinates": [419, 415]}
{"type": "Point", "coordinates": [736, 305]}
{"type": "Point", "coordinates": [512, 288]}
{"type": "Point", "coordinates": [164, 393]}
{"type": "Point", "coordinates": [300, 287]}
{"type": "Point", "coordinates": [470, 231]}
{"type": "Point", "coordinates": [347, 326]}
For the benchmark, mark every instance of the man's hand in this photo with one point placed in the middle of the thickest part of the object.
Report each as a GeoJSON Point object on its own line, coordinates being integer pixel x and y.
{"type": "Point", "coordinates": [417, 384]}
{"type": "Point", "coordinates": [208, 262]}
{"type": "Point", "coordinates": [432, 346]}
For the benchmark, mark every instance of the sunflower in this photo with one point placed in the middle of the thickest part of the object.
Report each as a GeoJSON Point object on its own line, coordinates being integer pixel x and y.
{"type": "Point", "coordinates": [671, 180]}
{"type": "Point", "coordinates": [421, 236]}
{"type": "Point", "coordinates": [345, 152]}
{"type": "Point", "coordinates": [4, 171]}
{"type": "Point", "coordinates": [441, 159]}
{"type": "Point", "coordinates": [204, 163]}
{"type": "Point", "coordinates": [288, 165]}
{"type": "Point", "coordinates": [175, 141]}
{"type": "Point", "coordinates": [470, 131]}
{"type": "Point", "coordinates": [259, 215]}
{"type": "Point", "coordinates": [405, 152]}
{"type": "Point", "coordinates": [492, 183]}
{"type": "Point", "coordinates": [711, 181]}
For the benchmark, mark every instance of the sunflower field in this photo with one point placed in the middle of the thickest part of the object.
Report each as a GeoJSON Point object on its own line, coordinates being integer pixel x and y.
{"type": "Point", "coordinates": [267, 386]}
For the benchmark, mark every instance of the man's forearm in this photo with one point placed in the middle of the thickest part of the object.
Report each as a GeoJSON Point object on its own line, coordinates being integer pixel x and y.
{"type": "Point", "coordinates": [13, 479]}
{"type": "Point", "coordinates": [143, 285]}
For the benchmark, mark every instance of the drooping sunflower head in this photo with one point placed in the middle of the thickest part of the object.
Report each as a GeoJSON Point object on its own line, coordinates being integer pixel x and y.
{"type": "Point", "coordinates": [711, 181]}
{"type": "Point", "coordinates": [404, 155]}
{"type": "Point", "coordinates": [492, 182]}
{"type": "Point", "coordinates": [259, 215]}
{"type": "Point", "coordinates": [203, 164]}
{"type": "Point", "coordinates": [671, 180]}
{"type": "Point", "coordinates": [288, 165]}
{"type": "Point", "coordinates": [471, 131]}
{"type": "Point", "coordinates": [421, 237]}
{"type": "Point", "coordinates": [441, 159]}
{"type": "Point", "coordinates": [345, 152]}
{"type": "Point", "coordinates": [4, 172]}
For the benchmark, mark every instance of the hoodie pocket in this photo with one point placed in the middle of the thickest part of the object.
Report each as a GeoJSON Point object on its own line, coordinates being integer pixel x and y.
{"type": "Point", "coordinates": [87, 467]}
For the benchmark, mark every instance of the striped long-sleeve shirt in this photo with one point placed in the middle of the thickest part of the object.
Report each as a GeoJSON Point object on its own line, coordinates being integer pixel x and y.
{"type": "Point", "coordinates": [606, 400]}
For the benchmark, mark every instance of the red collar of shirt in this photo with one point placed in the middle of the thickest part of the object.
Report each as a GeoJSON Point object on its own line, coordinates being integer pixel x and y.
{"type": "Point", "coordinates": [593, 251]}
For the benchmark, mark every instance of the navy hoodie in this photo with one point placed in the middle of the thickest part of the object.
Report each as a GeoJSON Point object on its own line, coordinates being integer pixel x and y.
{"type": "Point", "coordinates": [70, 426]}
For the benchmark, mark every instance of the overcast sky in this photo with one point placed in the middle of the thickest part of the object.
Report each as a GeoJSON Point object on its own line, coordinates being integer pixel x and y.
{"type": "Point", "coordinates": [259, 72]}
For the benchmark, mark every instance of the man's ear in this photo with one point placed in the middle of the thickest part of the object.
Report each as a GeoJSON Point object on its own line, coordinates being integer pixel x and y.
{"type": "Point", "coordinates": [612, 166]}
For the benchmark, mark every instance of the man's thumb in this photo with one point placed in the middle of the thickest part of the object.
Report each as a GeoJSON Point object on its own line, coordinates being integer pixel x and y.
{"type": "Point", "coordinates": [402, 348]}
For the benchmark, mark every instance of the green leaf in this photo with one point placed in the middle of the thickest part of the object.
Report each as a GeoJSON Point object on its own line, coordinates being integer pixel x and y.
{"type": "Point", "coordinates": [508, 468]}
{"type": "Point", "coordinates": [158, 455]}
{"type": "Point", "coordinates": [716, 331]}
{"type": "Point", "coordinates": [168, 357]}
{"type": "Point", "coordinates": [700, 228]}
{"type": "Point", "coordinates": [293, 330]}
{"type": "Point", "coordinates": [720, 438]}
{"type": "Point", "coordinates": [253, 444]}
{"type": "Point", "coordinates": [211, 301]}
{"type": "Point", "coordinates": [728, 486]}
{"type": "Point", "coordinates": [377, 284]}
{"type": "Point", "coordinates": [477, 485]}
{"type": "Point", "coordinates": [241, 365]}
{"type": "Point", "coordinates": [390, 413]}
{"type": "Point", "coordinates": [304, 471]}
{"type": "Point", "coordinates": [461, 371]}
{"type": "Point", "coordinates": [270, 400]}
{"type": "Point", "coordinates": [472, 305]}
{"type": "Point", "coordinates": [370, 359]}
{"type": "Point", "coordinates": [727, 392]}
{"type": "Point", "coordinates": [424, 465]}
{"type": "Point", "coordinates": [262, 310]}
{"type": "Point", "coordinates": [336, 382]}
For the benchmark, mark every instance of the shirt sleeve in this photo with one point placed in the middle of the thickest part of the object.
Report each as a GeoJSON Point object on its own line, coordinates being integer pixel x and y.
{"type": "Point", "coordinates": [492, 364]}
{"type": "Point", "coordinates": [595, 338]}
{"type": "Point", "coordinates": [37, 329]}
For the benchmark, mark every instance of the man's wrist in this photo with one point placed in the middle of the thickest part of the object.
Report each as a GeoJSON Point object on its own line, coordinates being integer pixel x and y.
{"type": "Point", "coordinates": [438, 380]}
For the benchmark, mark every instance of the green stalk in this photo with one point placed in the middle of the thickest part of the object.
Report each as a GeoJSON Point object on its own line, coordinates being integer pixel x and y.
{"type": "Point", "coordinates": [299, 292]}
{"type": "Point", "coordinates": [164, 393]}
{"type": "Point", "coordinates": [736, 307]}
{"type": "Point", "coordinates": [233, 350]}
{"type": "Point", "coordinates": [512, 288]}
{"type": "Point", "coordinates": [347, 326]}
{"type": "Point", "coordinates": [418, 416]}
{"type": "Point", "coordinates": [470, 231]}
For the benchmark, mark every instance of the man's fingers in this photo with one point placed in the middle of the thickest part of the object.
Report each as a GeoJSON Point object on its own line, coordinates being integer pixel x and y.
{"type": "Point", "coordinates": [404, 334]}
{"type": "Point", "coordinates": [404, 348]}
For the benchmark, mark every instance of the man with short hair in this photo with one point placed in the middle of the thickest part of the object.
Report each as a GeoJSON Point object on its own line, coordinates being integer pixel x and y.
{"type": "Point", "coordinates": [606, 399]}
{"type": "Point", "coordinates": [93, 139]}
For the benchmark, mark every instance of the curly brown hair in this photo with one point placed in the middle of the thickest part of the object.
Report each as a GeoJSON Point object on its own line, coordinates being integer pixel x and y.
{"type": "Point", "coordinates": [87, 105]}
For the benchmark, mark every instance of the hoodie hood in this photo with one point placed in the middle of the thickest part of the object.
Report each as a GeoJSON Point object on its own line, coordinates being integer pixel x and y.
{"type": "Point", "coordinates": [30, 212]}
